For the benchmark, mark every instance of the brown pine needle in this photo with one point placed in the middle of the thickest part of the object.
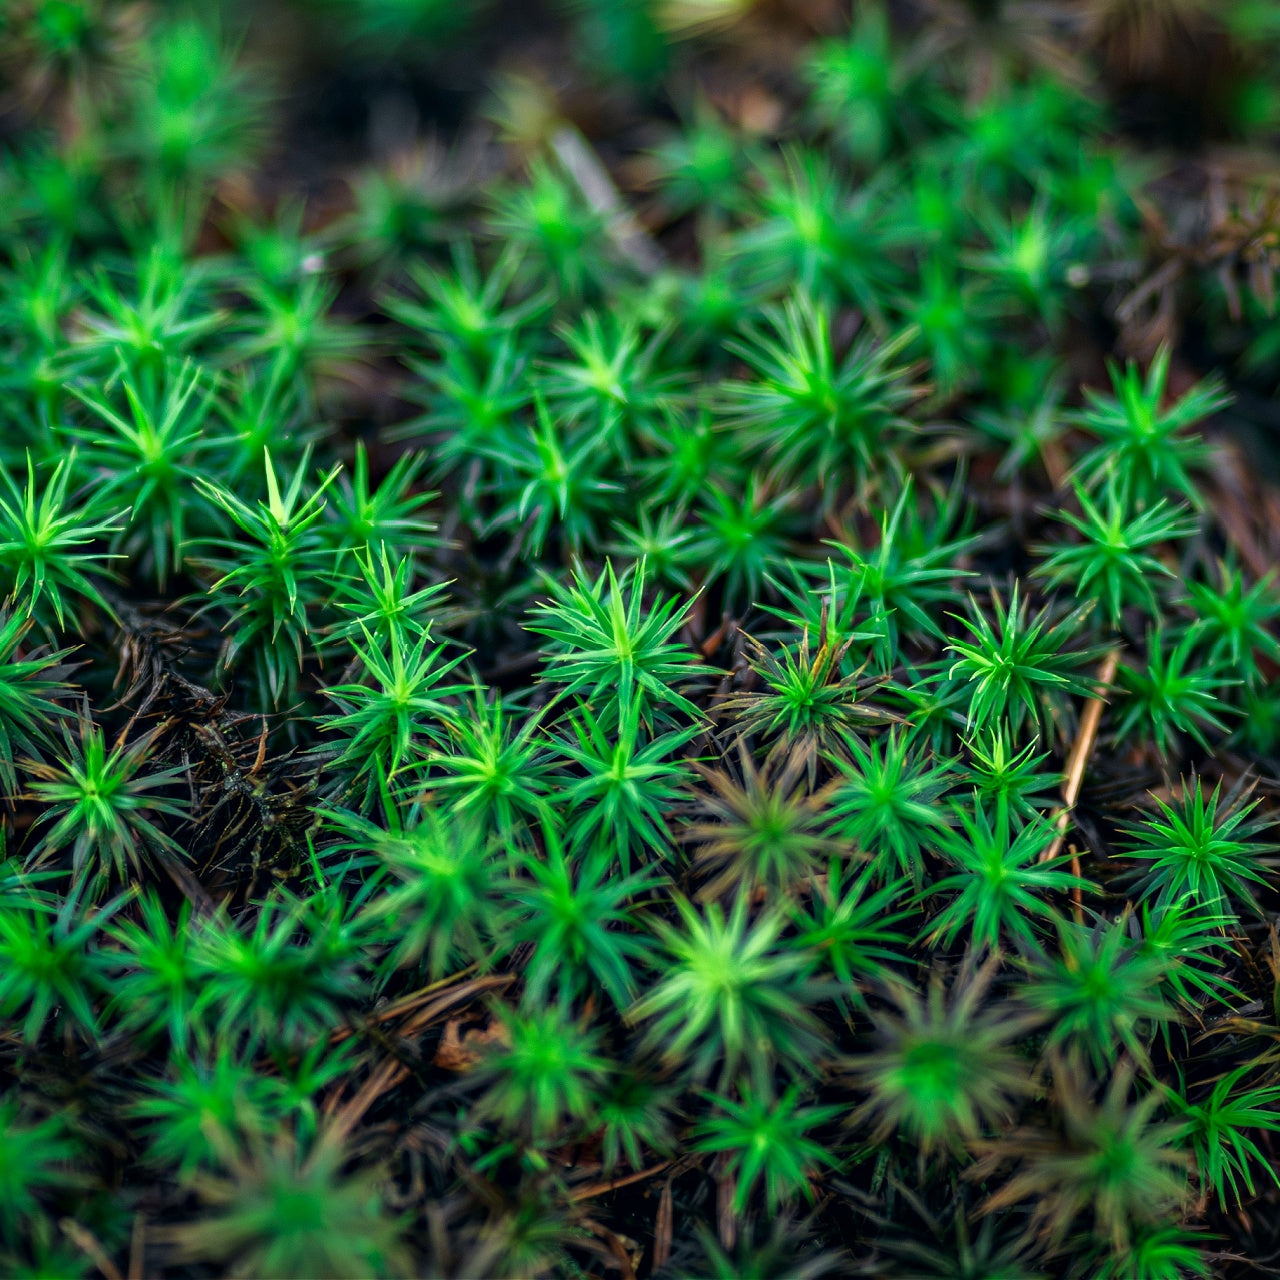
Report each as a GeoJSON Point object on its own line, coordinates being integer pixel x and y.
{"type": "Point", "coordinates": [88, 1243]}
{"type": "Point", "coordinates": [138, 1248]}
{"type": "Point", "coordinates": [726, 1218]}
{"type": "Point", "coordinates": [391, 1073]}
{"type": "Point", "coordinates": [664, 1227]}
{"type": "Point", "coordinates": [1077, 762]}
{"type": "Point", "coordinates": [594, 1189]}
{"type": "Point", "coordinates": [583, 166]}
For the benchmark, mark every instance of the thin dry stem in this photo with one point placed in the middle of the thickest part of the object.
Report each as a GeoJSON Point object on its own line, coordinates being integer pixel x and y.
{"type": "Point", "coordinates": [575, 154]}
{"type": "Point", "coordinates": [612, 1184]}
{"type": "Point", "coordinates": [88, 1243]}
{"type": "Point", "coordinates": [1077, 762]}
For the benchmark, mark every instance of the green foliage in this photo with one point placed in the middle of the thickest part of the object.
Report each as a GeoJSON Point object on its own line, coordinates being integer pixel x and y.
{"type": "Point", "coordinates": [360, 519]}
{"type": "Point", "coordinates": [100, 806]}
{"type": "Point", "coordinates": [295, 327]}
{"type": "Point", "coordinates": [850, 928]}
{"type": "Point", "coordinates": [700, 166]}
{"type": "Point", "coordinates": [34, 1160]}
{"type": "Point", "coordinates": [766, 1140]}
{"type": "Point", "coordinates": [939, 310]}
{"type": "Point", "coordinates": [442, 898]}
{"type": "Point", "coordinates": [487, 770]}
{"type": "Point", "coordinates": [943, 1068]}
{"type": "Point", "coordinates": [611, 384]}
{"type": "Point", "coordinates": [563, 484]}
{"type": "Point", "coordinates": [1195, 853]}
{"type": "Point", "coordinates": [1219, 1125]}
{"type": "Point", "coordinates": [1156, 1253]}
{"type": "Point", "coordinates": [808, 412]}
{"type": "Point", "coordinates": [731, 995]}
{"type": "Point", "coordinates": [626, 783]}
{"type": "Point", "coordinates": [551, 229]}
{"type": "Point", "coordinates": [1028, 265]}
{"type": "Point", "coordinates": [1112, 564]}
{"type": "Point", "coordinates": [815, 234]}
{"type": "Point", "coordinates": [204, 1108]}
{"type": "Point", "coordinates": [1142, 442]}
{"type": "Point", "coordinates": [765, 832]}
{"type": "Point", "coordinates": [1113, 1160]}
{"type": "Point", "coordinates": [808, 705]}
{"type": "Point", "coordinates": [1003, 776]}
{"type": "Point", "coordinates": [162, 974]}
{"type": "Point", "coordinates": [1181, 937]}
{"type": "Point", "coordinates": [150, 459]}
{"type": "Point", "coordinates": [1172, 695]}
{"type": "Point", "coordinates": [886, 803]}
{"type": "Point", "coordinates": [1028, 420]}
{"type": "Point", "coordinates": [603, 645]}
{"type": "Point", "coordinates": [50, 969]}
{"type": "Point", "coordinates": [1101, 993]}
{"type": "Point", "coordinates": [283, 1211]}
{"type": "Point", "coordinates": [1235, 621]}
{"type": "Point", "coordinates": [159, 316]}
{"type": "Point", "coordinates": [28, 689]}
{"type": "Point", "coordinates": [743, 534]}
{"type": "Point", "coordinates": [383, 600]}
{"type": "Point", "coordinates": [463, 310]}
{"type": "Point", "coordinates": [634, 1110]}
{"type": "Point", "coordinates": [1000, 880]}
{"type": "Point", "coordinates": [401, 707]}
{"type": "Point", "coordinates": [280, 981]}
{"type": "Point", "coordinates": [273, 565]}
{"type": "Point", "coordinates": [580, 922]}
{"type": "Point", "coordinates": [861, 91]}
{"type": "Point", "coordinates": [910, 572]}
{"type": "Point", "coordinates": [1015, 664]}
{"type": "Point", "coordinates": [543, 1074]}
{"type": "Point", "coordinates": [603, 640]}
{"type": "Point", "coordinates": [193, 113]}
{"type": "Point", "coordinates": [43, 530]}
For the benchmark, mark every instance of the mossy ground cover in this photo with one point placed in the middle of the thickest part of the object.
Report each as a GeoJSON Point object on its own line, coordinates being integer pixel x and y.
{"type": "Point", "coordinates": [639, 639]}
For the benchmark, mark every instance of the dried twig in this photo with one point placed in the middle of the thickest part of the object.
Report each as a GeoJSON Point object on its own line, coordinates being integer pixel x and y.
{"type": "Point", "coordinates": [382, 1079]}
{"type": "Point", "coordinates": [88, 1243]}
{"type": "Point", "coordinates": [467, 991]}
{"type": "Point", "coordinates": [582, 164]}
{"type": "Point", "coordinates": [415, 1000]}
{"type": "Point", "coordinates": [1077, 762]}
{"type": "Point", "coordinates": [616, 1249]}
{"type": "Point", "coordinates": [1230, 514]}
{"type": "Point", "coordinates": [726, 1218]}
{"type": "Point", "coordinates": [664, 1227]}
{"type": "Point", "coordinates": [138, 1247]}
{"type": "Point", "coordinates": [390, 1072]}
{"type": "Point", "coordinates": [603, 1188]}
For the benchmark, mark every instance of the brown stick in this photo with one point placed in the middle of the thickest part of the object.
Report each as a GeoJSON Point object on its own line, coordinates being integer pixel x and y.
{"type": "Point", "coordinates": [138, 1247]}
{"type": "Point", "coordinates": [88, 1243]}
{"type": "Point", "coordinates": [583, 165]}
{"type": "Point", "coordinates": [1077, 762]}
{"type": "Point", "coordinates": [1055, 465]}
{"type": "Point", "coordinates": [384, 1078]}
{"type": "Point", "coordinates": [664, 1227]}
{"type": "Point", "coordinates": [603, 1188]}
{"type": "Point", "coordinates": [391, 1073]}
{"type": "Point", "coordinates": [726, 1219]}
{"type": "Point", "coordinates": [416, 999]}
{"type": "Point", "coordinates": [458, 995]}
{"type": "Point", "coordinates": [614, 1244]}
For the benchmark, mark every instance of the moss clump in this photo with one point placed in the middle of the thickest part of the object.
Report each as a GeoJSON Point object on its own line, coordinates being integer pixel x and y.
{"type": "Point", "coordinates": [681, 683]}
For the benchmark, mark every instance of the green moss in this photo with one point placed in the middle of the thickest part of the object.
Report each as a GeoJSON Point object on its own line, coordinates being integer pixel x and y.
{"type": "Point", "coordinates": [587, 645]}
